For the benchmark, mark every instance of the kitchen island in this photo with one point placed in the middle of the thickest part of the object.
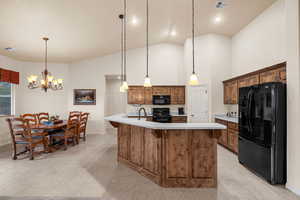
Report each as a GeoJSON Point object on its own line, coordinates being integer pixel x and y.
{"type": "Point", "coordinates": [170, 154]}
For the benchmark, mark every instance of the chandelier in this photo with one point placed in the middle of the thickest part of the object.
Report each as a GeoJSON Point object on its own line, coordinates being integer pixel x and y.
{"type": "Point", "coordinates": [47, 80]}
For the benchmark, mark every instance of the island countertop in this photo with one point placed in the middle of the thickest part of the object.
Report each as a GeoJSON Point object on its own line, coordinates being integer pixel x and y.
{"type": "Point", "coordinates": [122, 118]}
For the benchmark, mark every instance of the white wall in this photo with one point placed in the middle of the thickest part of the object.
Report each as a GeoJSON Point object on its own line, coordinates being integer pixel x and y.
{"type": "Point", "coordinates": [35, 101]}
{"type": "Point", "coordinates": [293, 92]}
{"type": "Point", "coordinates": [212, 64]}
{"type": "Point", "coordinates": [262, 42]}
{"type": "Point", "coordinates": [166, 65]}
{"type": "Point", "coordinates": [11, 64]}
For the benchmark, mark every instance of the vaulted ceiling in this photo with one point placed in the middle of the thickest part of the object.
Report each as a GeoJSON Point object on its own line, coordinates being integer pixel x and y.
{"type": "Point", "coordinates": [81, 29]}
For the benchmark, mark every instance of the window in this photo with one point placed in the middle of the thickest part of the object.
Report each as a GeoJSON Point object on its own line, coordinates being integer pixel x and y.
{"type": "Point", "coordinates": [6, 99]}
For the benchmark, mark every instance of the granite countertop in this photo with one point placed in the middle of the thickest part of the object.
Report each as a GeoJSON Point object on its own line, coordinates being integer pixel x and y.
{"type": "Point", "coordinates": [226, 118]}
{"type": "Point", "coordinates": [122, 118]}
{"type": "Point", "coordinates": [150, 115]}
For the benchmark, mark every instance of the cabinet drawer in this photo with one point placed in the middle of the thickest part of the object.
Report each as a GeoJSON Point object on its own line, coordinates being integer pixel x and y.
{"type": "Point", "coordinates": [180, 119]}
{"type": "Point", "coordinates": [221, 121]}
{"type": "Point", "coordinates": [233, 126]}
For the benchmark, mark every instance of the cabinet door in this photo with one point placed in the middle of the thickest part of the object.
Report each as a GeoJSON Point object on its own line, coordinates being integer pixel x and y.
{"type": "Point", "coordinates": [123, 141]}
{"type": "Point", "coordinates": [233, 140]}
{"type": "Point", "coordinates": [152, 151]}
{"type": "Point", "coordinates": [269, 76]}
{"type": "Point", "coordinates": [136, 95]}
{"type": "Point", "coordinates": [223, 139]}
{"type": "Point", "coordinates": [136, 144]}
{"type": "Point", "coordinates": [178, 95]}
{"type": "Point", "coordinates": [177, 162]}
{"type": "Point", "coordinates": [148, 96]}
{"type": "Point", "coordinates": [253, 80]}
{"type": "Point", "coordinates": [282, 74]}
{"type": "Point", "coordinates": [161, 90]}
{"type": "Point", "coordinates": [231, 92]}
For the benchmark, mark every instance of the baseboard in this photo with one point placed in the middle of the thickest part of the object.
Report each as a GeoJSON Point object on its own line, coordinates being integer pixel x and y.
{"type": "Point", "coordinates": [294, 190]}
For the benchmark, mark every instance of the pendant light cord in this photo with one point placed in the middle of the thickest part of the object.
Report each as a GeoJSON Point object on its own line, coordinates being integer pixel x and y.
{"type": "Point", "coordinates": [147, 38]}
{"type": "Point", "coordinates": [193, 30]}
{"type": "Point", "coordinates": [46, 53]}
{"type": "Point", "coordinates": [122, 46]}
{"type": "Point", "coordinates": [125, 46]}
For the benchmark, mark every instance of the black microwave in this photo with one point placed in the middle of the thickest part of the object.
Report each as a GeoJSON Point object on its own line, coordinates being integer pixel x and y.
{"type": "Point", "coordinates": [161, 99]}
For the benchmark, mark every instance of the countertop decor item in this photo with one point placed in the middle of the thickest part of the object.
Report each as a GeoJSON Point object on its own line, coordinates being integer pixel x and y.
{"type": "Point", "coordinates": [47, 81]}
{"type": "Point", "coordinates": [194, 78]}
{"type": "Point", "coordinates": [84, 96]}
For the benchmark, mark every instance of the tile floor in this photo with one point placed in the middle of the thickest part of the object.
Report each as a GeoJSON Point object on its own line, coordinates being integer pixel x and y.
{"type": "Point", "coordinates": [89, 171]}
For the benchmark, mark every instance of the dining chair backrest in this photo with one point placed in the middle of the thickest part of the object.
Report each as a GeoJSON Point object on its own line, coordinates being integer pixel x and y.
{"type": "Point", "coordinates": [83, 120]}
{"type": "Point", "coordinates": [19, 127]}
{"type": "Point", "coordinates": [43, 117]}
{"type": "Point", "coordinates": [31, 118]}
{"type": "Point", "coordinates": [73, 120]}
{"type": "Point", "coordinates": [74, 113]}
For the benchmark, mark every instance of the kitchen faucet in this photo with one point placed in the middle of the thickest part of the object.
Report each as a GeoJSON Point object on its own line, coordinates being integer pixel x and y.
{"type": "Point", "coordinates": [145, 113]}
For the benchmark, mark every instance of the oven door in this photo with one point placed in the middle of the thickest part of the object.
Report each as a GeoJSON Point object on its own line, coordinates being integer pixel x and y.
{"type": "Point", "coordinates": [161, 99]}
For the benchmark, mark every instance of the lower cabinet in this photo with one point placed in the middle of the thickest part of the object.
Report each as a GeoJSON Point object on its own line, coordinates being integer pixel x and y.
{"type": "Point", "coordinates": [230, 136]}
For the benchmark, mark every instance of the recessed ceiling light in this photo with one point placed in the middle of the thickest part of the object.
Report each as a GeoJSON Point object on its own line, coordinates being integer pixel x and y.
{"type": "Point", "coordinates": [10, 49]}
{"type": "Point", "coordinates": [173, 33]}
{"type": "Point", "coordinates": [220, 4]}
{"type": "Point", "coordinates": [218, 19]}
{"type": "Point", "coordinates": [134, 20]}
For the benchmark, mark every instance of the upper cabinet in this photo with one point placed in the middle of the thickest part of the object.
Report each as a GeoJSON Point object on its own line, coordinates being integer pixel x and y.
{"type": "Point", "coordinates": [178, 95]}
{"type": "Point", "coordinates": [230, 92]}
{"type": "Point", "coordinates": [276, 73]}
{"type": "Point", "coordinates": [142, 95]}
{"type": "Point", "coordinates": [136, 95]}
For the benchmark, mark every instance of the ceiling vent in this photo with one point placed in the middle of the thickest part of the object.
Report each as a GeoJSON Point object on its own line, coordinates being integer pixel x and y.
{"type": "Point", "coordinates": [220, 4]}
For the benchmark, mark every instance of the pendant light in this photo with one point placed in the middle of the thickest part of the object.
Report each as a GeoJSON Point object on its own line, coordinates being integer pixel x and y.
{"type": "Point", "coordinates": [194, 78]}
{"type": "Point", "coordinates": [122, 52]}
{"type": "Point", "coordinates": [147, 82]}
{"type": "Point", "coordinates": [125, 85]}
{"type": "Point", "coordinates": [47, 81]}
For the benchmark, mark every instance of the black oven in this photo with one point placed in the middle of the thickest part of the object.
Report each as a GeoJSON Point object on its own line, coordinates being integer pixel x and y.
{"type": "Point", "coordinates": [161, 99]}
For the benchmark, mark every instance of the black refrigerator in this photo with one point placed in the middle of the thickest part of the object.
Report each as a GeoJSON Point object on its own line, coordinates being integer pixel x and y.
{"type": "Point", "coordinates": [262, 130]}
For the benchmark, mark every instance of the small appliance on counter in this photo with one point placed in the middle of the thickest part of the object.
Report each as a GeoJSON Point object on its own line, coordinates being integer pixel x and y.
{"type": "Point", "coordinates": [161, 99]}
{"type": "Point", "coordinates": [181, 111]}
{"type": "Point", "coordinates": [262, 130]}
{"type": "Point", "coordinates": [161, 115]}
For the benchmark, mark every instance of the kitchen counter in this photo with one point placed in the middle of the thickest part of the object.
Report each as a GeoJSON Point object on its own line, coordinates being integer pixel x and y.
{"type": "Point", "coordinates": [122, 118]}
{"type": "Point", "coordinates": [169, 154]}
{"type": "Point", "coordinates": [226, 118]}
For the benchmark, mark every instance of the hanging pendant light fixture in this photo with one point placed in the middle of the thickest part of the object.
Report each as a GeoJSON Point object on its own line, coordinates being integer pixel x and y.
{"type": "Point", "coordinates": [194, 78]}
{"type": "Point", "coordinates": [122, 52]}
{"type": "Point", "coordinates": [147, 82]}
{"type": "Point", "coordinates": [125, 85]}
{"type": "Point", "coordinates": [47, 80]}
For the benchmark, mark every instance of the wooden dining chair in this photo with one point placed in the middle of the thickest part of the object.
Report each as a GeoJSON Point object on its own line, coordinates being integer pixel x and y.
{"type": "Point", "coordinates": [70, 132]}
{"type": "Point", "coordinates": [31, 118]}
{"type": "Point", "coordinates": [42, 117]}
{"type": "Point", "coordinates": [21, 134]}
{"type": "Point", "coordinates": [82, 125]}
{"type": "Point", "coordinates": [74, 113]}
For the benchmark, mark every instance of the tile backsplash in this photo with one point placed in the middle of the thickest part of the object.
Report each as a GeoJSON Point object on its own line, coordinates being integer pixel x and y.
{"type": "Point", "coordinates": [135, 108]}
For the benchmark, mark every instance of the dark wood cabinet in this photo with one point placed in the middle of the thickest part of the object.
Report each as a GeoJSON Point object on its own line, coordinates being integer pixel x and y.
{"type": "Point", "coordinates": [136, 95]}
{"type": "Point", "coordinates": [142, 95]}
{"type": "Point", "coordinates": [275, 73]}
{"type": "Point", "coordinates": [179, 119]}
{"type": "Point", "coordinates": [148, 96]}
{"type": "Point", "coordinates": [178, 95]}
{"type": "Point", "coordinates": [230, 136]}
{"type": "Point", "coordinates": [231, 92]}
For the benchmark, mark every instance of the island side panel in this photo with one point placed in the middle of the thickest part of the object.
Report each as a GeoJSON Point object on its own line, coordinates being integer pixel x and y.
{"type": "Point", "coordinates": [189, 158]}
{"type": "Point", "coordinates": [123, 141]}
{"type": "Point", "coordinates": [136, 145]}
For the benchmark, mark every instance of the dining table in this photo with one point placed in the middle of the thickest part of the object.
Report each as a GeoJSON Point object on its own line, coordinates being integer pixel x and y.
{"type": "Point", "coordinates": [49, 129]}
